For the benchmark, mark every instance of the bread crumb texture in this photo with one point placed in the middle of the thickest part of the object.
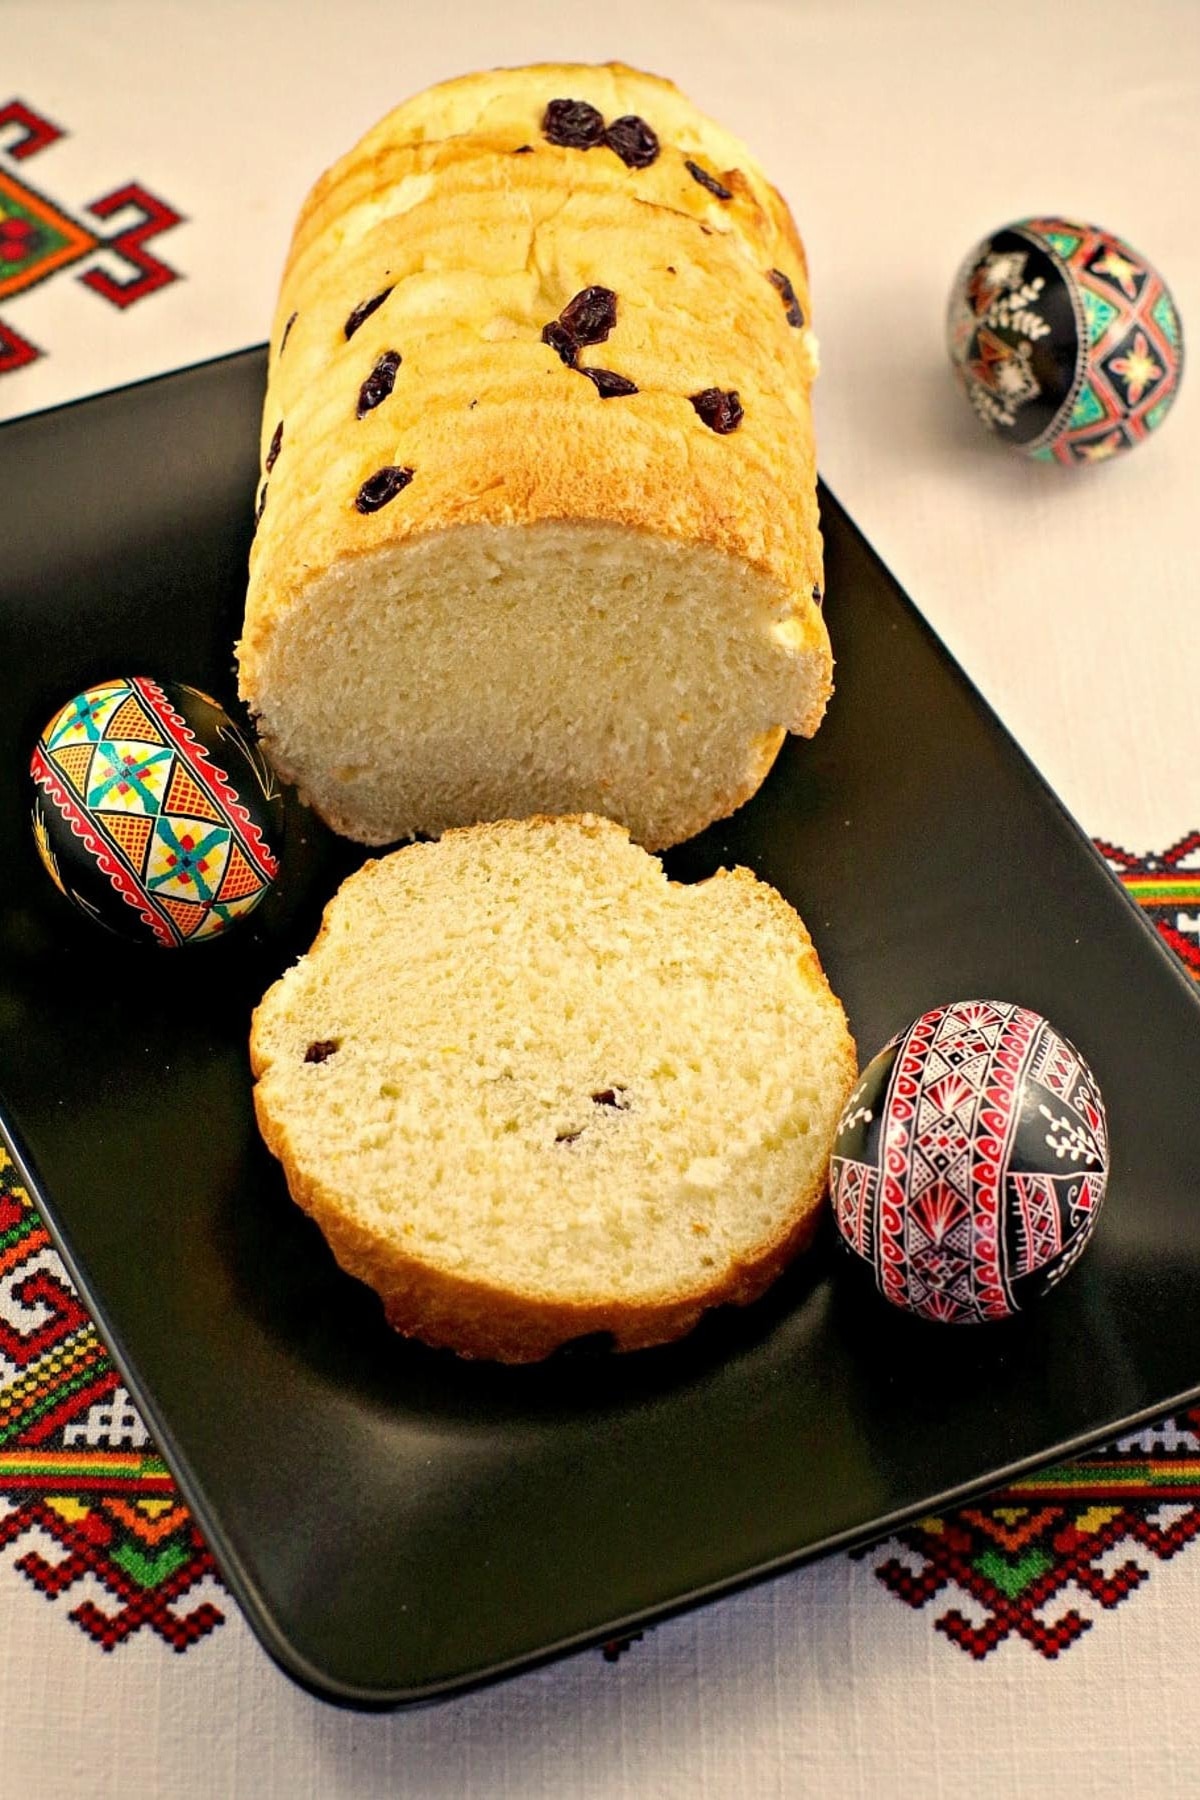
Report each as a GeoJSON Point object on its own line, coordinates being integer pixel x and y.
{"type": "Point", "coordinates": [538, 524]}
{"type": "Point", "coordinates": [530, 1089]}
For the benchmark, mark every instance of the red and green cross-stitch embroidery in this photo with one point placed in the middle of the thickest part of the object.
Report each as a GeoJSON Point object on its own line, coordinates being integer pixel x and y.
{"type": "Point", "coordinates": [1036, 1562]}
{"type": "Point", "coordinates": [76, 1462]}
{"type": "Point", "coordinates": [39, 237]}
{"type": "Point", "coordinates": [1167, 887]}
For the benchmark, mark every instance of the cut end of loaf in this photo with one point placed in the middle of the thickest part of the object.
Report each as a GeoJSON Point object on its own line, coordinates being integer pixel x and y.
{"type": "Point", "coordinates": [488, 672]}
{"type": "Point", "coordinates": [531, 1090]}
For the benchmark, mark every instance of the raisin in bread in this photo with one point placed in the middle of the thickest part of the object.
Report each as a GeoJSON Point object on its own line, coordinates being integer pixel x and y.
{"type": "Point", "coordinates": [530, 1089]}
{"type": "Point", "coordinates": [538, 525]}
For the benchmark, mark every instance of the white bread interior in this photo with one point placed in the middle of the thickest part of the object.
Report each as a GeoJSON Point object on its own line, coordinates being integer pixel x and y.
{"type": "Point", "coordinates": [487, 672]}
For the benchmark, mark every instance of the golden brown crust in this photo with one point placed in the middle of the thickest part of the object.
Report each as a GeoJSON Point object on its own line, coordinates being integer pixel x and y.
{"type": "Point", "coordinates": [503, 108]}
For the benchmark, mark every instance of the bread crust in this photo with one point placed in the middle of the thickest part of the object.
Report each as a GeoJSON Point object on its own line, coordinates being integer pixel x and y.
{"type": "Point", "coordinates": [491, 106]}
{"type": "Point", "coordinates": [481, 1321]}
{"type": "Point", "coordinates": [485, 1320]}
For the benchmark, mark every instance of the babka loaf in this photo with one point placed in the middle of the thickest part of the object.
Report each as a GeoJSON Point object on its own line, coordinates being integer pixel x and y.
{"type": "Point", "coordinates": [537, 524]}
{"type": "Point", "coordinates": [531, 1090]}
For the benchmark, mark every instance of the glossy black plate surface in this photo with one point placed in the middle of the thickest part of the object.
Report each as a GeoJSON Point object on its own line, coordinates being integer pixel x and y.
{"type": "Point", "coordinates": [397, 1524]}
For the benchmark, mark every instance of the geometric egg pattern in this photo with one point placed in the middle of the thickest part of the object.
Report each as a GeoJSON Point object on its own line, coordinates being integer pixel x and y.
{"type": "Point", "coordinates": [1065, 339]}
{"type": "Point", "coordinates": [970, 1162]}
{"type": "Point", "coordinates": [139, 823]}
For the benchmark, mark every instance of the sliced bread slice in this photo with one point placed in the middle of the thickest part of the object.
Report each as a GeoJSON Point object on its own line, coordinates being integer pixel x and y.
{"type": "Point", "coordinates": [531, 1090]}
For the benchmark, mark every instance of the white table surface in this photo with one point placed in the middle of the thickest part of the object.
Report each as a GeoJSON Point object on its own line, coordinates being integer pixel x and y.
{"type": "Point", "coordinates": [900, 134]}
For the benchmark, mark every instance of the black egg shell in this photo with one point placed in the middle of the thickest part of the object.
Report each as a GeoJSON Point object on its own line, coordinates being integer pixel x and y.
{"type": "Point", "coordinates": [154, 813]}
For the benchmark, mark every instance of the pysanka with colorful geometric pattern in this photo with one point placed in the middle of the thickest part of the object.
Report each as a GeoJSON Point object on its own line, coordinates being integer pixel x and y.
{"type": "Point", "coordinates": [1066, 341]}
{"type": "Point", "coordinates": [153, 813]}
{"type": "Point", "coordinates": [971, 1161]}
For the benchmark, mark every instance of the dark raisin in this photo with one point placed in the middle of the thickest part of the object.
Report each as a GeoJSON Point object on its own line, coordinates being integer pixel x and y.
{"type": "Point", "coordinates": [561, 339]}
{"type": "Point", "coordinates": [287, 332]}
{"type": "Point", "coordinates": [363, 311]}
{"type": "Point", "coordinates": [793, 315]}
{"type": "Point", "coordinates": [708, 181]}
{"type": "Point", "coordinates": [276, 447]}
{"type": "Point", "coordinates": [633, 140]}
{"type": "Point", "coordinates": [472, 406]}
{"type": "Point", "coordinates": [381, 487]}
{"type": "Point", "coordinates": [591, 315]}
{"type": "Point", "coordinates": [523, 150]}
{"type": "Point", "coordinates": [379, 383]}
{"type": "Point", "coordinates": [261, 507]}
{"type": "Point", "coordinates": [316, 1053]}
{"type": "Point", "coordinates": [720, 410]}
{"type": "Point", "coordinates": [573, 124]}
{"type": "Point", "coordinates": [611, 1097]}
{"type": "Point", "coordinates": [567, 1137]}
{"type": "Point", "coordinates": [670, 268]}
{"type": "Point", "coordinates": [817, 595]}
{"type": "Point", "coordinates": [610, 385]}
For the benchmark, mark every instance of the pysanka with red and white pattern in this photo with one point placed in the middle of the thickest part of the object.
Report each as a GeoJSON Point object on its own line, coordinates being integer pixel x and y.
{"type": "Point", "coordinates": [971, 1161]}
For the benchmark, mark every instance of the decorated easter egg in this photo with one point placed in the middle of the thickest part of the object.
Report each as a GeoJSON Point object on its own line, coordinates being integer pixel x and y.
{"type": "Point", "coordinates": [970, 1162]}
{"type": "Point", "coordinates": [153, 812]}
{"type": "Point", "coordinates": [1066, 342]}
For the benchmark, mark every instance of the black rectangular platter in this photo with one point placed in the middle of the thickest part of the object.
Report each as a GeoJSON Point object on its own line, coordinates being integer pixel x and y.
{"type": "Point", "coordinates": [398, 1524]}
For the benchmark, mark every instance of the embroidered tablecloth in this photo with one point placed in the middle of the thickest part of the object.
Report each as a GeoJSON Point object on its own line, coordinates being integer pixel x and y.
{"type": "Point", "coordinates": [151, 162]}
